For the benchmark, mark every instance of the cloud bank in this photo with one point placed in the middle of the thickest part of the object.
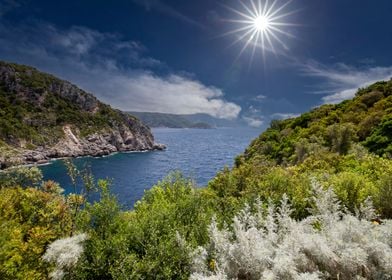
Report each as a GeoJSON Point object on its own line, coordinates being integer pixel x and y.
{"type": "Point", "coordinates": [115, 70]}
{"type": "Point", "coordinates": [341, 81]}
{"type": "Point", "coordinates": [253, 121]}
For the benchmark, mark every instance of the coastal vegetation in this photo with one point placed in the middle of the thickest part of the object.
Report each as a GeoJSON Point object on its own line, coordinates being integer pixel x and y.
{"type": "Point", "coordinates": [37, 116]}
{"type": "Point", "coordinates": [310, 198]}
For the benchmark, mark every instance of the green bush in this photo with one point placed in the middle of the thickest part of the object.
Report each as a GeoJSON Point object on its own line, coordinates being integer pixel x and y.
{"type": "Point", "coordinates": [29, 220]}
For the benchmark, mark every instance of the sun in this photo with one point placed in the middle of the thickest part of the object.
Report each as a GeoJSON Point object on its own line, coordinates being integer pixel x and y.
{"type": "Point", "coordinates": [262, 24]}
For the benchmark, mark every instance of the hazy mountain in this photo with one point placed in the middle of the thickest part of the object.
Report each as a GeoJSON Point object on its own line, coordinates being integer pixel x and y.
{"type": "Point", "coordinates": [185, 121]}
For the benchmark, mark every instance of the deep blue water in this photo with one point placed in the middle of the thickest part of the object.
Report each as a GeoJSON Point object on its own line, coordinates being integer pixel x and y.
{"type": "Point", "coordinates": [197, 153]}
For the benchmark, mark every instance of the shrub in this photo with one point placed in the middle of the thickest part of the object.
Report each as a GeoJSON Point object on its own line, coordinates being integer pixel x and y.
{"type": "Point", "coordinates": [269, 244]}
{"type": "Point", "coordinates": [30, 219]}
{"type": "Point", "coordinates": [65, 253]}
{"type": "Point", "coordinates": [172, 209]}
{"type": "Point", "coordinates": [21, 176]}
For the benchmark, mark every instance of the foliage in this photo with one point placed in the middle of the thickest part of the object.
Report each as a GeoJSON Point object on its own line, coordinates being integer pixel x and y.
{"type": "Point", "coordinates": [173, 207]}
{"type": "Point", "coordinates": [380, 140]}
{"type": "Point", "coordinates": [144, 243]}
{"type": "Point", "coordinates": [366, 118]}
{"type": "Point", "coordinates": [34, 114]}
{"type": "Point", "coordinates": [338, 144]}
{"type": "Point", "coordinates": [269, 244]}
{"type": "Point", "coordinates": [29, 220]}
{"type": "Point", "coordinates": [21, 176]}
{"type": "Point", "coordinates": [353, 176]}
{"type": "Point", "coordinates": [104, 224]}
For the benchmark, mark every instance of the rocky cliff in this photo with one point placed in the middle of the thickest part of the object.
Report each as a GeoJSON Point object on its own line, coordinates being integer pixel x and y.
{"type": "Point", "coordinates": [43, 117]}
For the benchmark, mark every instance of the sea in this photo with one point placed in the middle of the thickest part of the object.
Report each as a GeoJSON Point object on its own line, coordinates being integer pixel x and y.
{"type": "Point", "coordinates": [199, 154]}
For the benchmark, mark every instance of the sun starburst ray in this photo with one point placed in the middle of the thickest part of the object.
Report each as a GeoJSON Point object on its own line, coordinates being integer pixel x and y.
{"type": "Point", "coordinates": [251, 13]}
{"type": "Point", "coordinates": [241, 38]}
{"type": "Point", "coordinates": [238, 20]}
{"type": "Point", "coordinates": [254, 7]}
{"type": "Point", "coordinates": [273, 13]}
{"type": "Point", "coordinates": [284, 24]}
{"type": "Point", "coordinates": [238, 30]}
{"type": "Point", "coordinates": [238, 12]}
{"type": "Point", "coordinates": [246, 45]}
{"type": "Point", "coordinates": [269, 41]}
{"type": "Point", "coordinates": [254, 47]}
{"type": "Point", "coordinates": [270, 9]}
{"type": "Point", "coordinates": [282, 32]}
{"type": "Point", "coordinates": [273, 18]}
{"type": "Point", "coordinates": [263, 21]}
{"type": "Point", "coordinates": [251, 37]}
{"type": "Point", "coordinates": [278, 40]}
{"type": "Point", "coordinates": [261, 8]}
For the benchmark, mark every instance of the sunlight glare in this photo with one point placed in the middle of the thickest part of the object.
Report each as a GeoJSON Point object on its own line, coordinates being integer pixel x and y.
{"type": "Point", "coordinates": [261, 23]}
{"type": "Point", "coordinates": [264, 25]}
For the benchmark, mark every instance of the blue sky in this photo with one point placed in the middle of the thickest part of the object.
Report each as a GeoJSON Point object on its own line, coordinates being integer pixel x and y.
{"type": "Point", "coordinates": [170, 55]}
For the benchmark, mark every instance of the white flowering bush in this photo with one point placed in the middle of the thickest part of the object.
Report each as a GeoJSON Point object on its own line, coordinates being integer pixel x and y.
{"type": "Point", "coordinates": [64, 253]}
{"type": "Point", "coordinates": [267, 243]}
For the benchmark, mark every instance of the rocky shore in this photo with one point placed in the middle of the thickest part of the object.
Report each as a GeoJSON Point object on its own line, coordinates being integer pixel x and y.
{"type": "Point", "coordinates": [96, 145]}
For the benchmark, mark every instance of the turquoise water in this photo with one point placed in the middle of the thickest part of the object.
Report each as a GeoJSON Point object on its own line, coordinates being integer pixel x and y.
{"type": "Point", "coordinates": [197, 153]}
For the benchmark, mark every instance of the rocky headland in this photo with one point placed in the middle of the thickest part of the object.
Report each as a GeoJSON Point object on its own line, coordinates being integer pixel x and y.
{"type": "Point", "coordinates": [43, 117]}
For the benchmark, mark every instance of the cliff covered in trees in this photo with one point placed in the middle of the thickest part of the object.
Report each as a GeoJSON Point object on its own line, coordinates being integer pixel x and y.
{"type": "Point", "coordinates": [43, 117]}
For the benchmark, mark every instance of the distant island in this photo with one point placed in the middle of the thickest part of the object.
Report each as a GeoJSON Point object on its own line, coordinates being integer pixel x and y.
{"type": "Point", "coordinates": [200, 120]}
{"type": "Point", "coordinates": [169, 120]}
{"type": "Point", "coordinates": [43, 117]}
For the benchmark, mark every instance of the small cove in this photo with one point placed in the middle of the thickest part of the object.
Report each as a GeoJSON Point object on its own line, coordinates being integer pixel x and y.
{"type": "Point", "coordinates": [197, 153]}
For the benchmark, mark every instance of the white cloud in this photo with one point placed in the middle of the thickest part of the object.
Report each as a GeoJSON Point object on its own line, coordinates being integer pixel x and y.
{"type": "Point", "coordinates": [171, 94]}
{"type": "Point", "coordinates": [77, 40]}
{"type": "Point", "coordinates": [342, 81]}
{"type": "Point", "coordinates": [259, 98]}
{"type": "Point", "coordinates": [282, 116]}
{"type": "Point", "coordinates": [114, 70]}
{"type": "Point", "coordinates": [255, 122]}
{"type": "Point", "coordinates": [162, 7]}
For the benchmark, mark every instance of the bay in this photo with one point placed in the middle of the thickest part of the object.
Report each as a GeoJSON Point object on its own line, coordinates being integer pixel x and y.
{"type": "Point", "coordinates": [197, 153]}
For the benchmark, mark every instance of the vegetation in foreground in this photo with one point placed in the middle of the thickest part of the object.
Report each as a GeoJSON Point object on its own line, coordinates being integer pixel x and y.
{"type": "Point", "coordinates": [267, 243]}
{"type": "Point", "coordinates": [226, 230]}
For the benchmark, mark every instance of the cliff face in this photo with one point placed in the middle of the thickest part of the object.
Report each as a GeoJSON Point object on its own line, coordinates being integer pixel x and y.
{"type": "Point", "coordinates": [43, 117]}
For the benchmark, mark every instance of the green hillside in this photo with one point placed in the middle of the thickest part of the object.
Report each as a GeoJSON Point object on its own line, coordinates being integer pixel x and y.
{"type": "Point", "coordinates": [35, 109]}
{"type": "Point", "coordinates": [43, 117]}
{"type": "Point", "coordinates": [366, 119]}
{"type": "Point", "coordinates": [345, 146]}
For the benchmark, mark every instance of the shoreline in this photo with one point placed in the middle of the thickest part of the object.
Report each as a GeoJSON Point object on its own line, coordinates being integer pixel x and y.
{"type": "Point", "coordinates": [156, 147]}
